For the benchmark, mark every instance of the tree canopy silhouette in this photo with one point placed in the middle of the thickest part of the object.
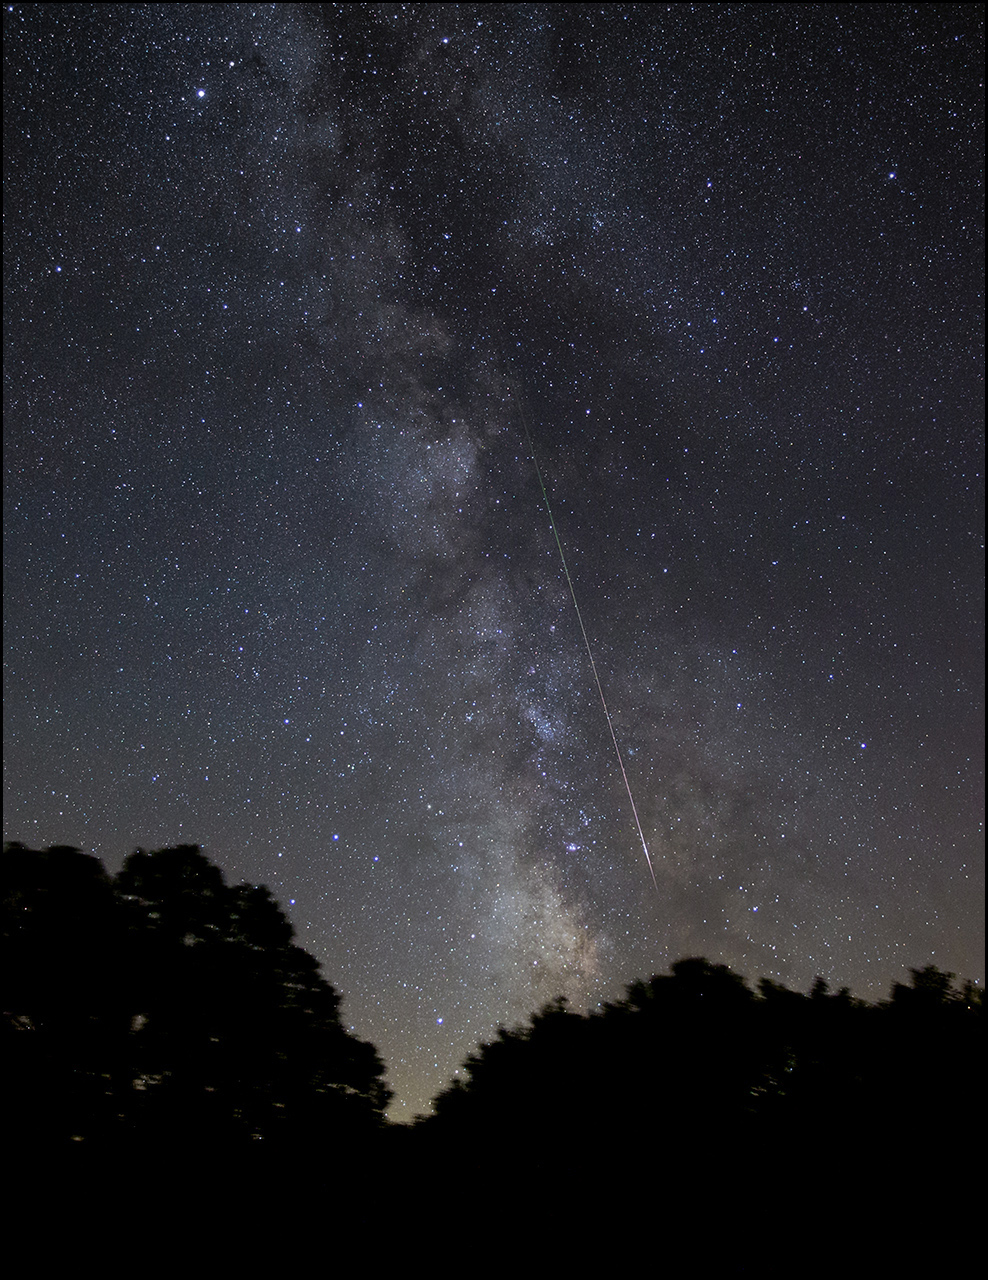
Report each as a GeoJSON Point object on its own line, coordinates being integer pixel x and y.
{"type": "Point", "coordinates": [696, 1061]}
{"type": "Point", "coordinates": [168, 1021]}
{"type": "Point", "coordinates": [162, 1008]}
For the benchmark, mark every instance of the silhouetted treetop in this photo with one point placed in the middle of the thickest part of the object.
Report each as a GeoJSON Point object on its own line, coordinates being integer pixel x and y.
{"type": "Point", "coordinates": [165, 1006]}
{"type": "Point", "coordinates": [695, 1059]}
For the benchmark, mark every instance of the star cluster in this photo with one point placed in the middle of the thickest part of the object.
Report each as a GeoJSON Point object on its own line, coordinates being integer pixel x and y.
{"type": "Point", "coordinates": [283, 286]}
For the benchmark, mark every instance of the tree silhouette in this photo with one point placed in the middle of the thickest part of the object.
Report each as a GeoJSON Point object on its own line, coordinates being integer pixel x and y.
{"type": "Point", "coordinates": [65, 1020]}
{"type": "Point", "coordinates": [166, 1010]}
{"type": "Point", "coordinates": [164, 1030]}
{"type": "Point", "coordinates": [699, 1067]}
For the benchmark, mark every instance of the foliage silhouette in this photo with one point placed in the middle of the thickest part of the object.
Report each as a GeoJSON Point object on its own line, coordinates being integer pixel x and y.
{"type": "Point", "coordinates": [727, 1116]}
{"type": "Point", "coordinates": [166, 1010]}
{"type": "Point", "coordinates": [696, 1062]}
{"type": "Point", "coordinates": [164, 1029]}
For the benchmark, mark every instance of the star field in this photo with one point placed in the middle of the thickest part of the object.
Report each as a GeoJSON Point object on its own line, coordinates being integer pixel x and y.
{"type": "Point", "coordinates": [283, 284]}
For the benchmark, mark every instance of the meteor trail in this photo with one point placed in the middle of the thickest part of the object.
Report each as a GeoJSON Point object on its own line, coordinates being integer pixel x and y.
{"type": "Point", "coordinates": [586, 641]}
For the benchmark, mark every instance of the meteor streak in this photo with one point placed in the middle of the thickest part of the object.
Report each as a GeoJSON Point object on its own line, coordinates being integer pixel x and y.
{"type": "Point", "coordinates": [586, 641]}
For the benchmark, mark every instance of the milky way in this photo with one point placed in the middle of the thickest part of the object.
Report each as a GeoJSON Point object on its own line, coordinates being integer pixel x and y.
{"type": "Point", "coordinates": [284, 285]}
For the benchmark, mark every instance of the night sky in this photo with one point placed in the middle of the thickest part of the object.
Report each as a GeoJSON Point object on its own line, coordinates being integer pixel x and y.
{"type": "Point", "coordinates": [284, 285]}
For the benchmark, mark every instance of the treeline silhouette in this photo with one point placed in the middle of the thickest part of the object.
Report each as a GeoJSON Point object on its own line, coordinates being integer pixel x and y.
{"type": "Point", "coordinates": [697, 1057]}
{"type": "Point", "coordinates": [167, 1045]}
{"type": "Point", "coordinates": [162, 1030]}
